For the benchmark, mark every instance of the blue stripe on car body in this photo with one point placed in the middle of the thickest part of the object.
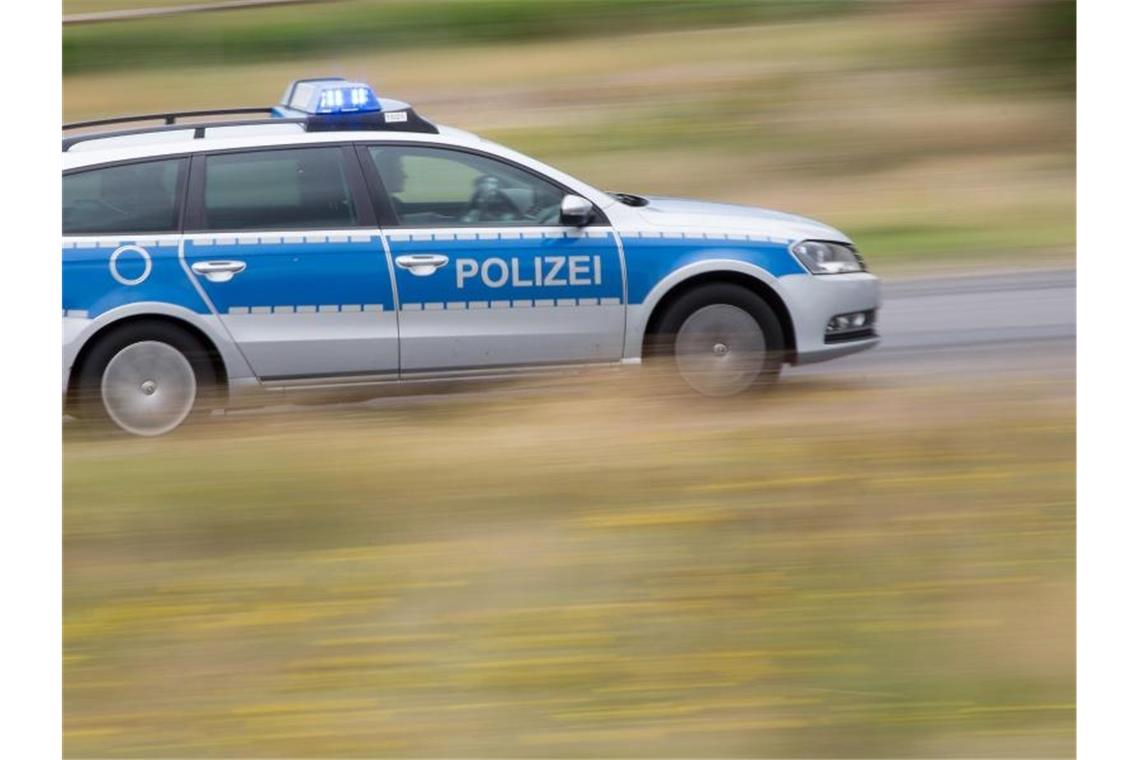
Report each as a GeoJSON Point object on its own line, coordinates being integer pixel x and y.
{"type": "Point", "coordinates": [649, 259]}
{"type": "Point", "coordinates": [525, 255]}
{"type": "Point", "coordinates": [294, 270]}
{"type": "Point", "coordinates": [90, 286]}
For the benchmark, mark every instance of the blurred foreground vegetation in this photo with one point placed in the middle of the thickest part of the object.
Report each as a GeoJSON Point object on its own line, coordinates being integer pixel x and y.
{"type": "Point", "coordinates": [933, 133]}
{"type": "Point", "coordinates": [836, 570]}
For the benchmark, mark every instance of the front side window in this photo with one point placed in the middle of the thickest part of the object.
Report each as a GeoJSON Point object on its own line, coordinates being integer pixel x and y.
{"type": "Point", "coordinates": [303, 188]}
{"type": "Point", "coordinates": [136, 197]}
{"type": "Point", "coordinates": [438, 187]}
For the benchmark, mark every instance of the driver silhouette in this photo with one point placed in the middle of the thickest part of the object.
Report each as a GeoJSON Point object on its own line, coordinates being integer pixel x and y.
{"type": "Point", "coordinates": [489, 203]}
{"type": "Point", "coordinates": [390, 164]}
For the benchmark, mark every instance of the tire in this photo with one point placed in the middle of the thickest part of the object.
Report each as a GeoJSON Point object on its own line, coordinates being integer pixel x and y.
{"type": "Point", "coordinates": [721, 339]}
{"type": "Point", "coordinates": [146, 378]}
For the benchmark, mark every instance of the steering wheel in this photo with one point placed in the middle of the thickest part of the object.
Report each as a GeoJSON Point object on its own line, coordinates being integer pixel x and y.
{"type": "Point", "coordinates": [548, 214]}
{"type": "Point", "coordinates": [489, 203]}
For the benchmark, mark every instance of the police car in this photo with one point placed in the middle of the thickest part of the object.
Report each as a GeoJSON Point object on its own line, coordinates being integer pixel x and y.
{"type": "Point", "coordinates": [341, 240]}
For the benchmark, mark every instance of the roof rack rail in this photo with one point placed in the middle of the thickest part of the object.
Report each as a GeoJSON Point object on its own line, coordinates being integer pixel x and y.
{"type": "Point", "coordinates": [199, 128]}
{"type": "Point", "coordinates": [326, 104]}
{"type": "Point", "coordinates": [409, 121]}
{"type": "Point", "coordinates": [168, 118]}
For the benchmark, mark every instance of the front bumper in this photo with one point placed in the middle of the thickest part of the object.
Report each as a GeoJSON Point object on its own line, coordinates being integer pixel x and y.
{"type": "Point", "coordinates": [813, 300]}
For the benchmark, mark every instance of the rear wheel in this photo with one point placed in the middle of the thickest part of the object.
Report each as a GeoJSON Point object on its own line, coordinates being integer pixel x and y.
{"type": "Point", "coordinates": [146, 379]}
{"type": "Point", "coordinates": [721, 339]}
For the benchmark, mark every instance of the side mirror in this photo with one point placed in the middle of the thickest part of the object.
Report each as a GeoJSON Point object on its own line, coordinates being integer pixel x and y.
{"type": "Point", "coordinates": [576, 211]}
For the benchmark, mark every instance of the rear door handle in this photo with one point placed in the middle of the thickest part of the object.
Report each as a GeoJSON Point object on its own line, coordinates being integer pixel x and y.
{"type": "Point", "coordinates": [422, 264]}
{"type": "Point", "coordinates": [218, 271]}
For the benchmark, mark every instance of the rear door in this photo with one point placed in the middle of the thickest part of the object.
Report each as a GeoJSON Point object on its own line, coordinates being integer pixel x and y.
{"type": "Point", "coordinates": [283, 242]}
{"type": "Point", "coordinates": [487, 275]}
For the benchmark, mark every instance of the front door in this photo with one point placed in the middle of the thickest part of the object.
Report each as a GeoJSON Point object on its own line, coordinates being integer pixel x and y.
{"type": "Point", "coordinates": [284, 245]}
{"type": "Point", "coordinates": [486, 274]}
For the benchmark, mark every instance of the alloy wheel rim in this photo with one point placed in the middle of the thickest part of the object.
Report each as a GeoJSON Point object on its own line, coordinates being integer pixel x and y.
{"type": "Point", "coordinates": [149, 388]}
{"type": "Point", "coordinates": [720, 350]}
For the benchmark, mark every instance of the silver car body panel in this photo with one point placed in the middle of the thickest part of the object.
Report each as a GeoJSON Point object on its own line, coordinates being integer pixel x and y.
{"type": "Point", "coordinates": [311, 302]}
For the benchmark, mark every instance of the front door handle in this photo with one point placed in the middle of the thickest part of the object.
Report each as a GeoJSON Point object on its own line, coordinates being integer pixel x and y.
{"type": "Point", "coordinates": [218, 271]}
{"type": "Point", "coordinates": [422, 264]}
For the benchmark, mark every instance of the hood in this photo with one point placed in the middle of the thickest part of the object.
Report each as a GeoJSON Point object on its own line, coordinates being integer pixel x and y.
{"type": "Point", "coordinates": [682, 212]}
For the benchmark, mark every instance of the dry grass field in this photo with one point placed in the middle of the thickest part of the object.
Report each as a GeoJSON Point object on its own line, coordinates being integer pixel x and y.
{"type": "Point", "coordinates": [586, 568]}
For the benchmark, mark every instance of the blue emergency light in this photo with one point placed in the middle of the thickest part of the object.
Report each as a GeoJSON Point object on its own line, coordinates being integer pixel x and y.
{"type": "Point", "coordinates": [330, 95]}
{"type": "Point", "coordinates": [329, 104]}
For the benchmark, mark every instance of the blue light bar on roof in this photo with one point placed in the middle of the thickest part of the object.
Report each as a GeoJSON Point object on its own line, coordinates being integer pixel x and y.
{"type": "Point", "coordinates": [330, 96]}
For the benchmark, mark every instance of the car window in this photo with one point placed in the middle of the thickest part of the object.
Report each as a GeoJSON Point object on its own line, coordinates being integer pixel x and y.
{"type": "Point", "coordinates": [303, 188]}
{"type": "Point", "coordinates": [438, 187]}
{"type": "Point", "coordinates": [136, 197]}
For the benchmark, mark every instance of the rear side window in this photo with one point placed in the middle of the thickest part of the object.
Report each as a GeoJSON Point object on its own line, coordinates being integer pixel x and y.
{"type": "Point", "coordinates": [304, 188]}
{"type": "Point", "coordinates": [137, 197]}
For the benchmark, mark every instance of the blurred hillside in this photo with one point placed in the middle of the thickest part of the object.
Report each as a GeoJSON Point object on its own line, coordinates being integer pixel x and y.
{"type": "Point", "coordinates": [931, 132]}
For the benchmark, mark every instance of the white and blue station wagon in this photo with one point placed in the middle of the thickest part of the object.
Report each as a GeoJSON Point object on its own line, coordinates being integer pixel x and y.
{"type": "Point", "coordinates": [341, 240]}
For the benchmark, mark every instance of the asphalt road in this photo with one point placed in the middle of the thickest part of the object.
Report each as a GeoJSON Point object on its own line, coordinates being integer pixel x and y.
{"type": "Point", "coordinates": [1010, 322]}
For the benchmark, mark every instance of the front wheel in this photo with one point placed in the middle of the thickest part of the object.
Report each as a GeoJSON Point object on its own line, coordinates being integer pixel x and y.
{"type": "Point", "coordinates": [722, 339]}
{"type": "Point", "coordinates": [145, 379]}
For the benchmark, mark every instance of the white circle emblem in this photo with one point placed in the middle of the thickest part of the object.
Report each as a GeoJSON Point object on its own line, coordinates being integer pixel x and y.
{"type": "Point", "coordinates": [114, 264]}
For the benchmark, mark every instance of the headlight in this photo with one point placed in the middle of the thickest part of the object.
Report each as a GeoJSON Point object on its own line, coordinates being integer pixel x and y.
{"type": "Point", "coordinates": [828, 258]}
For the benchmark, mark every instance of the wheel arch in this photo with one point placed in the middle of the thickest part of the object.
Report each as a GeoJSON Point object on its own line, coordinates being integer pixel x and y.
{"type": "Point", "coordinates": [674, 287]}
{"type": "Point", "coordinates": [217, 361]}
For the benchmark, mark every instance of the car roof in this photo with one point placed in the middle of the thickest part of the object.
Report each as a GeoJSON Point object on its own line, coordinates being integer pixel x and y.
{"type": "Point", "coordinates": [97, 152]}
{"type": "Point", "coordinates": [150, 144]}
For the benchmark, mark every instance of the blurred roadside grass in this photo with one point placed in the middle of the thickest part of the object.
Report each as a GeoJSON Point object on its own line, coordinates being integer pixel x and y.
{"type": "Point", "coordinates": [290, 31]}
{"type": "Point", "coordinates": [878, 122]}
{"type": "Point", "coordinates": [582, 569]}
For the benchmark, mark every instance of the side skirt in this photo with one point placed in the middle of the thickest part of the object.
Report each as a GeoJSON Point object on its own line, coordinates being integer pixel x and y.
{"type": "Point", "coordinates": [341, 388]}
